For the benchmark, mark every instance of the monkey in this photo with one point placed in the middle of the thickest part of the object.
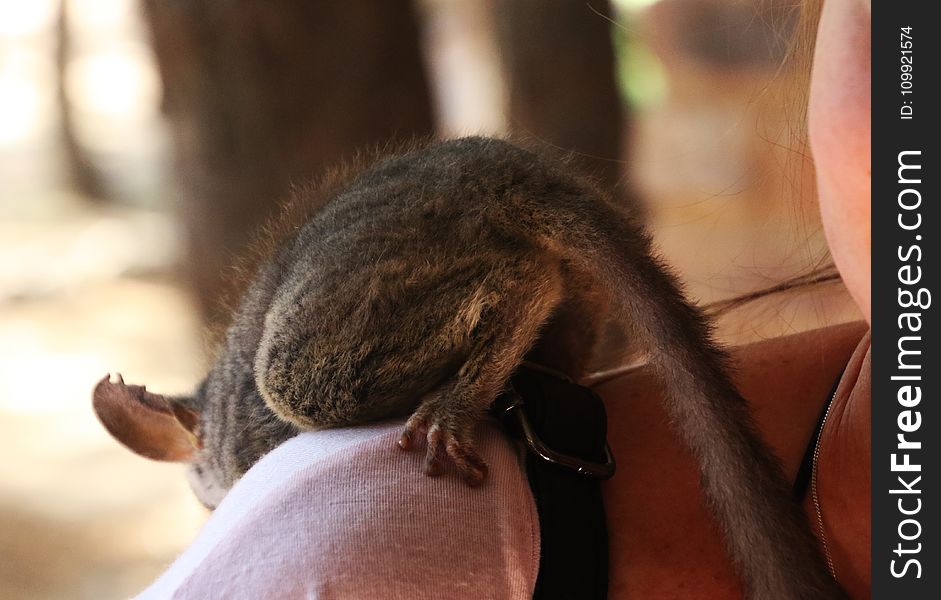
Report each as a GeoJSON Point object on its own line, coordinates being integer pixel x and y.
{"type": "Point", "coordinates": [416, 289]}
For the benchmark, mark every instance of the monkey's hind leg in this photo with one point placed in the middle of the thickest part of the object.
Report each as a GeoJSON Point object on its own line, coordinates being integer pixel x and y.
{"type": "Point", "coordinates": [447, 416]}
{"type": "Point", "coordinates": [569, 341]}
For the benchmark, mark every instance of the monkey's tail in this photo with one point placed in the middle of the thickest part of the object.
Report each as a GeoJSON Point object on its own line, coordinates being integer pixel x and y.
{"type": "Point", "coordinates": [766, 532]}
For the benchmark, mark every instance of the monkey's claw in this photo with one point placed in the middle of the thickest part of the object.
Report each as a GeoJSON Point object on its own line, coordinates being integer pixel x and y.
{"type": "Point", "coordinates": [442, 441]}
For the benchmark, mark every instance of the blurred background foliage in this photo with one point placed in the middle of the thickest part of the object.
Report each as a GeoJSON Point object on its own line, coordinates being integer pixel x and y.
{"type": "Point", "coordinates": [141, 143]}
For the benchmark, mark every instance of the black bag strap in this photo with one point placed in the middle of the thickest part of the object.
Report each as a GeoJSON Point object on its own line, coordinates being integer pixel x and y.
{"type": "Point", "coordinates": [564, 427]}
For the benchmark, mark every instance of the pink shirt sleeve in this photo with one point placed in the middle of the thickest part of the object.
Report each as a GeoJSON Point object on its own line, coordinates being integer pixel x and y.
{"type": "Point", "coordinates": [345, 514]}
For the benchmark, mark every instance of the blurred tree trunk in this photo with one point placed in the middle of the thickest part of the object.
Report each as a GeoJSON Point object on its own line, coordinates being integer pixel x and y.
{"type": "Point", "coordinates": [560, 71]}
{"type": "Point", "coordinates": [261, 94]}
{"type": "Point", "coordinates": [81, 170]}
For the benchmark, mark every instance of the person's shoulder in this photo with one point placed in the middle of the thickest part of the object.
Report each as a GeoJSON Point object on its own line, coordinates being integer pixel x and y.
{"type": "Point", "coordinates": [835, 341]}
{"type": "Point", "coordinates": [786, 354]}
{"type": "Point", "coordinates": [654, 501]}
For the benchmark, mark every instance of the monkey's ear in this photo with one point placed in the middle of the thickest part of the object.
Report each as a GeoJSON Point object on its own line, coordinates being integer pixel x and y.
{"type": "Point", "coordinates": [149, 424]}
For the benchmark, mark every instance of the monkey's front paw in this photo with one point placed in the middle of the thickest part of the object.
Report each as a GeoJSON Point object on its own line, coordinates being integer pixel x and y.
{"type": "Point", "coordinates": [445, 434]}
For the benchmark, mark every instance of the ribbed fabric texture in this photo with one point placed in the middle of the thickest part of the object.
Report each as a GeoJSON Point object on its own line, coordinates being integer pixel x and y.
{"type": "Point", "coordinates": [345, 514]}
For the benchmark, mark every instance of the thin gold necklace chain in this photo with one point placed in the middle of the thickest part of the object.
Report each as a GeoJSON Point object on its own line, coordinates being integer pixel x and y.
{"type": "Point", "coordinates": [816, 496]}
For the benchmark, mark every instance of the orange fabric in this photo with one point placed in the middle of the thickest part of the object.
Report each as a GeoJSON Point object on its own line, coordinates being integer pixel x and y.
{"type": "Point", "coordinates": [663, 543]}
{"type": "Point", "coordinates": [844, 477]}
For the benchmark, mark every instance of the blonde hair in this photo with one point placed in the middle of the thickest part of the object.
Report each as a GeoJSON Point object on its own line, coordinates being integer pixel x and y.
{"type": "Point", "coordinates": [799, 62]}
{"type": "Point", "coordinates": [793, 86]}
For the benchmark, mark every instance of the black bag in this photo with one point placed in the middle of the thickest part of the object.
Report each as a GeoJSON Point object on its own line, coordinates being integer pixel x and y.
{"type": "Point", "coordinates": [564, 428]}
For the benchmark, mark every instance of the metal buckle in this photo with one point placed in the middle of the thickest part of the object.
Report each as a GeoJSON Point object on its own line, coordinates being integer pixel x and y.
{"type": "Point", "coordinates": [597, 470]}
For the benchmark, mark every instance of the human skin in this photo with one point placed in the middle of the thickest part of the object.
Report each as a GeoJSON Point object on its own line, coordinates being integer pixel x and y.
{"type": "Point", "coordinates": [663, 543]}
{"type": "Point", "coordinates": [839, 126]}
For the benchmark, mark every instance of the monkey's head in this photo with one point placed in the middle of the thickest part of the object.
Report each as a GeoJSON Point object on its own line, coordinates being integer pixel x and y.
{"type": "Point", "coordinates": [166, 429]}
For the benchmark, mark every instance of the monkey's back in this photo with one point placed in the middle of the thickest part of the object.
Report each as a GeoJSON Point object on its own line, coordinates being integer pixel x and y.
{"type": "Point", "coordinates": [379, 295]}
